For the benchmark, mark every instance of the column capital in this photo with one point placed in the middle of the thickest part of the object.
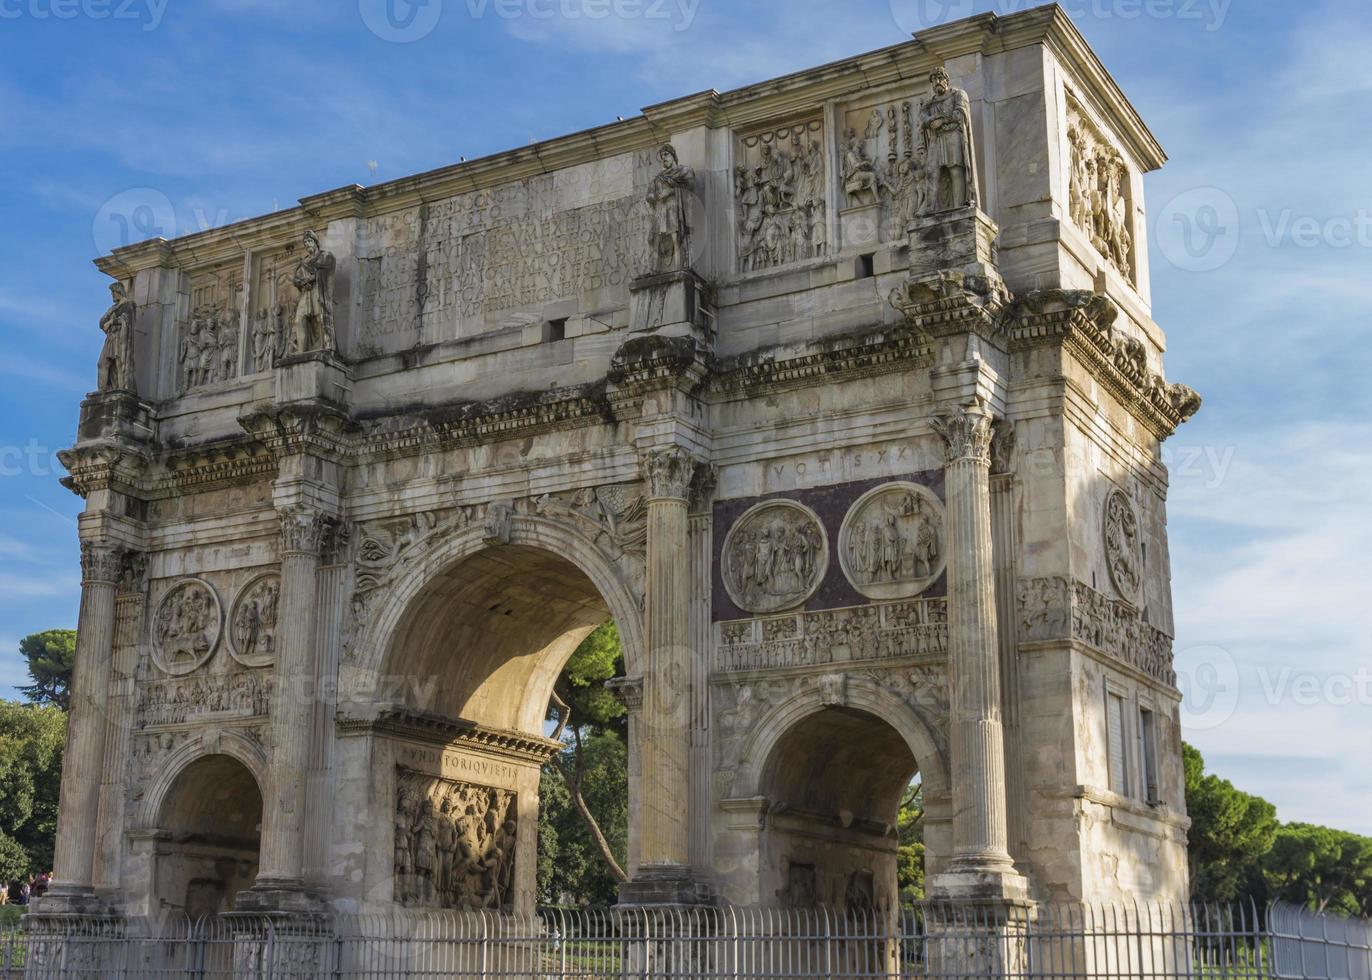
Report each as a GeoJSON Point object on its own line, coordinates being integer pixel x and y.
{"type": "Point", "coordinates": [628, 691]}
{"type": "Point", "coordinates": [670, 472]}
{"type": "Point", "coordinates": [966, 433]}
{"type": "Point", "coordinates": [304, 531]}
{"type": "Point", "coordinates": [101, 561]}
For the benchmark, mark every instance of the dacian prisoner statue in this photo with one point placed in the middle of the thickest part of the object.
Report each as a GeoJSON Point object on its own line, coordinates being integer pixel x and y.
{"type": "Point", "coordinates": [844, 405]}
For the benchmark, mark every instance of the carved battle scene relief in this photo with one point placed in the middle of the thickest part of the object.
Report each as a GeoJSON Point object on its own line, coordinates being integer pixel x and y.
{"type": "Point", "coordinates": [187, 627]}
{"type": "Point", "coordinates": [780, 196]}
{"type": "Point", "coordinates": [252, 621]}
{"type": "Point", "coordinates": [454, 843]}
{"type": "Point", "coordinates": [1123, 546]}
{"type": "Point", "coordinates": [245, 694]}
{"type": "Point", "coordinates": [210, 336]}
{"type": "Point", "coordinates": [876, 632]}
{"type": "Point", "coordinates": [1053, 608]}
{"type": "Point", "coordinates": [775, 557]}
{"type": "Point", "coordinates": [1100, 190]}
{"type": "Point", "coordinates": [891, 542]}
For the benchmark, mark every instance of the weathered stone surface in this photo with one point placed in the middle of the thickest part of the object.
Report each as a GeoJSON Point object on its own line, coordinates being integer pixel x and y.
{"type": "Point", "coordinates": [845, 403]}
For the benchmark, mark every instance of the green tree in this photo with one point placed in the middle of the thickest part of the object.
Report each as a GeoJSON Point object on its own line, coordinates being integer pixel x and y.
{"type": "Point", "coordinates": [583, 812]}
{"type": "Point", "coordinates": [1323, 869]}
{"type": "Point", "coordinates": [910, 850]}
{"type": "Point", "coordinates": [50, 656]}
{"type": "Point", "coordinates": [31, 740]}
{"type": "Point", "coordinates": [1230, 832]}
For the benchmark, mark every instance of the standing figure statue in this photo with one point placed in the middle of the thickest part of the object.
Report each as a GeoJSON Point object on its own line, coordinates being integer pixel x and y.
{"type": "Point", "coordinates": [945, 123]}
{"type": "Point", "coordinates": [116, 356]}
{"type": "Point", "coordinates": [669, 236]}
{"type": "Point", "coordinates": [312, 328]}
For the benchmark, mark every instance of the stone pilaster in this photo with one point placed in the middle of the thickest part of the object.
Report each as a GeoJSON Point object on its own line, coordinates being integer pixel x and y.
{"type": "Point", "coordinates": [280, 877]}
{"type": "Point", "coordinates": [664, 723]}
{"type": "Point", "coordinates": [701, 534]}
{"type": "Point", "coordinates": [83, 763]}
{"type": "Point", "coordinates": [981, 867]}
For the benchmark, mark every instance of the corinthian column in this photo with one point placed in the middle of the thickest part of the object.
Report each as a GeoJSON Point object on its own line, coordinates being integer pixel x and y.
{"type": "Point", "coordinates": [283, 841]}
{"type": "Point", "coordinates": [664, 721]}
{"type": "Point", "coordinates": [84, 760]}
{"type": "Point", "coordinates": [981, 866]}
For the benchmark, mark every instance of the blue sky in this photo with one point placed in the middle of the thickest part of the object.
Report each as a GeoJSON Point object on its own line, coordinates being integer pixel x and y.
{"type": "Point", "coordinates": [134, 116]}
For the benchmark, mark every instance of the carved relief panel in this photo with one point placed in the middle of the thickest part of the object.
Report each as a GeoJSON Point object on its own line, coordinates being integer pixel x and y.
{"type": "Point", "coordinates": [210, 336]}
{"type": "Point", "coordinates": [882, 162]}
{"type": "Point", "coordinates": [274, 299]}
{"type": "Point", "coordinates": [1123, 551]}
{"type": "Point", "coordinates": [780, 195]}
{"type": "Point", "coordinates": [775, 557]}
{"type": "Point", "coordinates": [891, 542]}
{"type": "Point", "coordinates": [454, 843]}
{"type": "Point", "coordinates": [252, 621]}
{"type": "Point", "coordinates": [1100, 190]}
{"type": "Point", "coordinates": [187, 627]}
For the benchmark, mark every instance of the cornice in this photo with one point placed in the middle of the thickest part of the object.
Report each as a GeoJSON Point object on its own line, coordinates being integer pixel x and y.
{"type": "Point", "coordinates": [103, 465]}
{"type": "Point", "coordinates": [754, 104]}
{"type": "Point", "coordinates": [314, 430]}
{"type": "Point", "coordinates": [450, 733]}
{"type": "Point", "coordinates": [1082, 324]}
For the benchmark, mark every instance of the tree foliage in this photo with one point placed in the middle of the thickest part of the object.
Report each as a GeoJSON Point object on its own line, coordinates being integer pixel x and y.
{"type": "Point", "coordinates": [1230, 832]}
{"type": "Point", "coordinates": [910, 850]}
{"type": "Point", "coordinates": [50, 656]}
{"type": "Point", "coordinates": [1324, 869]}
{"type": "Point", "coordinates": [31, 741]}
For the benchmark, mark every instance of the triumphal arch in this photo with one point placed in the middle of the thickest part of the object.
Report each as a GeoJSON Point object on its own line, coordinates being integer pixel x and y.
{"type": "Point", "coordinates": [839, 394]}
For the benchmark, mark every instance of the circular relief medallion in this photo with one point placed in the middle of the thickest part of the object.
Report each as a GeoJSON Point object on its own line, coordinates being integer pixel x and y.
{"type": "Point", "coordinates": [775, 556]}
{"type": "Point", "coordinates": [891, 542]}
{"type": "Point", "coordinates": [1123, 554]}
{"type": "Point", "coordinates": [252, 621]}
{"type": "Point", "coordinates": [186, 629]}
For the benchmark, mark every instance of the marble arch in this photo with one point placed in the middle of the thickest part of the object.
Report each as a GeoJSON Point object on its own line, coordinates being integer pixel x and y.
{"type": "Point", "coordinates": [775, 400]}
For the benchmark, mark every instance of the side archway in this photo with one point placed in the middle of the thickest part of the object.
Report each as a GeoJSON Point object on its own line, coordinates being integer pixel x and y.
{"type": "Point", "coordinates": [830, 766]}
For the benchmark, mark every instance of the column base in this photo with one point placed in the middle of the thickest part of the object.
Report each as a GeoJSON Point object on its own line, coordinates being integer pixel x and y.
{"type": "Point", "coordinates": [665, 884]}
{"type": "Point", "coordinates": [68, 900]}
{"type": "Point", "coordinates": [980, 884]}
{"type": "Point", "coordinates": [279, 897]}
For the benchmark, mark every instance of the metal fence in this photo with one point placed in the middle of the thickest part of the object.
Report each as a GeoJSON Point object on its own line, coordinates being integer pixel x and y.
{"type": "Point", "coordinates": [1049, 942]}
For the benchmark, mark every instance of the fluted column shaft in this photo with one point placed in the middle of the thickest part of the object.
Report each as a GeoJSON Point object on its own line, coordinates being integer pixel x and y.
{"type": "Point", "coordinates": [664, 722]}
{"type": "Point", "coordinates": [292, 724]}
{"type": "Point", "coordinates": [84, 760]}
{"type": "Point", "coordinates": [977, 737]}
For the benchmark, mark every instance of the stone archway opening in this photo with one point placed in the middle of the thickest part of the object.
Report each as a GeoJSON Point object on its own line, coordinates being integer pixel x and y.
{"type": "Point", "coordinates": [208, 837]}
{"type": "Point", "coordinates": [486, 638]}
{"type": "Point", "coordinates": [834, 784]}
{"type": "Point", "coordinates": [478, 651]}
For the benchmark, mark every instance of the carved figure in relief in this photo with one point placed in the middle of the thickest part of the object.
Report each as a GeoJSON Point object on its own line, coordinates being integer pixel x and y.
{"type": "Point", "coordinates": [1098, 190]}
{"type": "Point", "coordinates": [264, 339]}
{"type": "Point", "coordinates": [774, 557]}
{"type": "Point", "coordinates": [115, 370]}
{"type": "Point", "coordinates": [187, 626]}
{"type": "Point", "coordinates": [312, 326]}
{"type": "Point", "coordinates": [860, 179]}
{"type": "Point", "coordinates": [227, 336]}
{"type": "Point", "coordinates": [945, 123]}
{"type": "Point", "coordinates": [209, 348]}
{"type": "Point", "coordinates": [254, 622]}
{"type": "Point", "coordinates": [891, 541]}
{"type": "Point", "coordinates": [190, 352]}
{"type": "Point", "coordinates": [1123, 553]}
{"type": "Point", "coordinates": [456, 843]}
{"type": "Point", "coordinates": [669, 235]}
{"type": "Point", "coordinates": [907, 187]}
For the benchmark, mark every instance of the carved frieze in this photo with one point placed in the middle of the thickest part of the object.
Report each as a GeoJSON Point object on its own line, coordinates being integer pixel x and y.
{"type": "Point", "coordinates": [454, 843]}
{"type": "Point", "coordinates": [252, 621]}
{"type": "Point", "coordinates": [775, 556]}
{"type": "Point", "coordinates": [187, 626]}
{"type": "Point", "coordinates": [1099, 190]}
{"type": "Point", "coordinates": [1053, 608]}
{"type": "Point", "coordinates": [1123, 545]}
{"type": "Point", "coordinates": [780, 196]}
{"type": "Point", "coordinates": [244, 694]}
{"type": "Point", "coordinates": [876, 632]}
{"type": "Point", "coordinates": [891, 543]}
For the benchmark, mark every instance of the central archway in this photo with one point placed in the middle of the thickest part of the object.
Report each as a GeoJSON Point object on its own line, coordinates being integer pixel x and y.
{"type": "Point", "coordinates": [469, 643]}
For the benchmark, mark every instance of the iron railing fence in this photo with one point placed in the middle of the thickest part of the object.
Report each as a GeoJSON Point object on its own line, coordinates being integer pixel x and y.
{"type": "Point", "coordinates": [1052, 942]}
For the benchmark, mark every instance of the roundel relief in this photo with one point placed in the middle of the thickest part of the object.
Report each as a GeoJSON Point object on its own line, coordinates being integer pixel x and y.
{"type": "Point", "coordinates": [1123, 553]}
{"type": "Point", "coordinates": [775, 556]}
{"type": "Point", "coordinates": [891, 542]}
{"type": "Point", "coordinates": [187, 627]}
{"type": "Point", "coordinates": [252, 622]}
